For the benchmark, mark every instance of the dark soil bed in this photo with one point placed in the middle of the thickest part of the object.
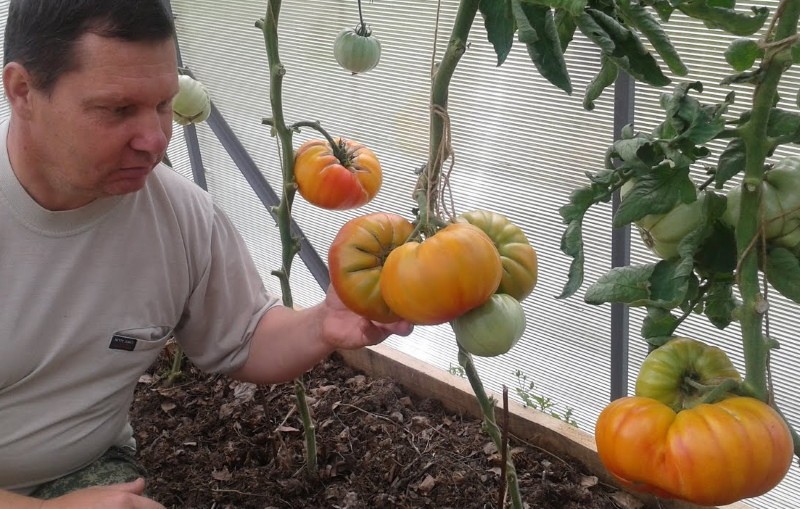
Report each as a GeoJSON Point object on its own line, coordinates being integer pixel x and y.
{"type": "Point", "coordinates": [213, 443]}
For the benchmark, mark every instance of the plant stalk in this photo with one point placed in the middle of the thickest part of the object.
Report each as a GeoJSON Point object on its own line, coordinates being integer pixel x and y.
{"type": "Point", "coordinates": [748, 227]}
{"type": "Point", "coordinates": [290, 245]}
{"type": "Point", "coordinates": [494, 432]}
{"type": "Point", "coordinates": [427, 192]}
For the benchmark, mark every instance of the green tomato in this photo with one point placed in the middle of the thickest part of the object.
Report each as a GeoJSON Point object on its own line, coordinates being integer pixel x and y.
{"type": "Point", "coordinates": [780, 196]}
{"type": "Point", "coordinates": [357, 50]}
{"type": "Point", "coordinates": [192, 103]}
{"type": "Point", "coordinates": [492, 328]}
{"type": "Point", "coordinates": [668, 372]}
{"type": "Point", "coordinates": [663, 232]}
{"type": "Point", "coordinates": [520, 262]}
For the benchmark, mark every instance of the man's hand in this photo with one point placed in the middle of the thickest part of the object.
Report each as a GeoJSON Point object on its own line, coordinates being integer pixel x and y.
{"type": "Point", "coordinates": [342, 328]}
{"type": "Point", "coordinates": [115, 496]}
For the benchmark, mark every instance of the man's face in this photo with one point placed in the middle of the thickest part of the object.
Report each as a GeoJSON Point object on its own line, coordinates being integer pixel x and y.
{"type": "Point", "coordinates": [105, 125]}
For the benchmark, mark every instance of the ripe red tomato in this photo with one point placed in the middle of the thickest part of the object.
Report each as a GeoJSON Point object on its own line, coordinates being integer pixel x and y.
{"type": "Point", "coordinates": [442, 277]}
{"type": "Point", "coordinates": [712, 454]}
{"type": "Point", "coordinates": [342, 177]}
{"type": "Point", "coordinates": [356, 258]}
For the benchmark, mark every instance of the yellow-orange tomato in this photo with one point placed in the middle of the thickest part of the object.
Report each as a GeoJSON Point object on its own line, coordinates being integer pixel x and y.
{"type": "Point", "coordinates": [342, 177]}
{"type": "Point", "coordinates": [712, 454]}
{"type": "Point", "coordinates": [355, 261]}
{"type": "Point", "coordinates": [442, 277]}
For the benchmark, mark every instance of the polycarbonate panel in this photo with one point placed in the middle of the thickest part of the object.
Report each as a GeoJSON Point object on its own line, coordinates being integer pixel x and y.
{"type": "Point", "coordinates": [510, 130]}
{"type": "Point", "coordinates": [702, 51]}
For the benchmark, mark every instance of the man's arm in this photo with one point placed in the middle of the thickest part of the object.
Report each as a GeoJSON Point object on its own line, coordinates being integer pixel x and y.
{"type": "Point", "coordinates": [288, 342]}
{"type": "Point", "coordinates": [115, 496]}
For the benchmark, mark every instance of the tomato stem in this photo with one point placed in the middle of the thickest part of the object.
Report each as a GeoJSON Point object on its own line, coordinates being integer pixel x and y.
{"type": "Point", "coordinates": [716, 393]}
{"type": "Point", "coordinates": [748, 228]}
{"type": "Point", "coordinates": [487, 407]}
{"type": "Point", "coordinates": [338, 146]}
{"type": "Point", "coordinates": [290, 244]}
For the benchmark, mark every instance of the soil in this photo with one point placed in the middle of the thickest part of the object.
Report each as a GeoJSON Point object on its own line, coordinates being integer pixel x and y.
{"type": "Point", "coordinates": [212, 443]}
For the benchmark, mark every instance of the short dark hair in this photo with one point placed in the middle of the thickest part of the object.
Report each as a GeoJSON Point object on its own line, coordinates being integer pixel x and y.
{"type": "Point", "coordinates": [41, 34]}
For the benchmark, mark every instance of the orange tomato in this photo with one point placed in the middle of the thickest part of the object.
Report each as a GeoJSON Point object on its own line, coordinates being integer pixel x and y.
{"type": "Point", "coordinates": [356, 258]}
{"type": "Point", "coordinates": [343, 177]}
{"type": "Point", "coordinates": [442, 277]}
{"type": "Point", "coordinates": [712, 454]}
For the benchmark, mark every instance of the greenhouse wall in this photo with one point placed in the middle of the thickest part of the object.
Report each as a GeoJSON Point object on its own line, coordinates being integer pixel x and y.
{"type": "Point", "coordinates": [521, 146]}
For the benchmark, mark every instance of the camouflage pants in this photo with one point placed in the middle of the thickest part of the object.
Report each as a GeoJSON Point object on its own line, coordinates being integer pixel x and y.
{"type": "Point", "coordinates": [117, 465]}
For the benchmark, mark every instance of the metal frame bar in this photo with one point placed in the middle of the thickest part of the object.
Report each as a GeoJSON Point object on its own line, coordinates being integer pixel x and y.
{"type": "Point", "coordinates": [624, 96]}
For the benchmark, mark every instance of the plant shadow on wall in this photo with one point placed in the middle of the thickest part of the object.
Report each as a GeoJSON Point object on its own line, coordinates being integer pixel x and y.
{"type": "Point", "coordinates": [473, 269]}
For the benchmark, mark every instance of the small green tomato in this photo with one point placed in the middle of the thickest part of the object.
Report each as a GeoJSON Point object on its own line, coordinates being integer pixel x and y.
{"type": "Point", "coordinates": [357, 50]}
{"type": "Point", "coordinates": [192, 104]}
{"type": "Point", "coordinates": [492, 328]}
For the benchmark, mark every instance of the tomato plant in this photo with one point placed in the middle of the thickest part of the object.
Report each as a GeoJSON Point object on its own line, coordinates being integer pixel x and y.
{"type": "Point", "coordinates": [676, 372]}
{"type": "Point", "coordinates": [491, 329]}
{"type": "Point", "coordinates": [711, 454]}
{"type": "Point", "coordinates": [343, 175]}
{"type": "Point", "coordinates": [356, 258]}
{"type": "Point", "coordinates": [520, 264]}
{"type": "Point", "coordinates": [442, 277]}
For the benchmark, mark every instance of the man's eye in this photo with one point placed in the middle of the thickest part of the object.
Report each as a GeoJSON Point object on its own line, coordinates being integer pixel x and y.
{"type": "Point", "coordinates": [121, 111]}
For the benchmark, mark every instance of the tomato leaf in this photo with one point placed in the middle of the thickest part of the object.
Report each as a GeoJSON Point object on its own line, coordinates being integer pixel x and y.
{"type": "Point", "coordinates": [499, 23]}
{"type": "Point", "coordinates": [565, 26]}
{"type": "Point", "coordinates": [657, 192]}
{"type": "Point", "coordinates": [720, 303]}
{"type": "Point", "coordinates": [722, 15]}
{"type": "Point", "coordinates": [629, 285]}
{"type": "Point", "coordinates": [574, 7]}
{"type": "Point", "coordinates": [621, 45]}
{"type": "Point", "coordinates": [663, 8]}
{"type": "Point", "coordinates": [604, 79]}
{"type": "Point", "coordinates": [783, 273]}
{"type": "Point", "coordinates": [783, 127]}
{"type": "Point", "coordinates": [537, 29]}
{"type": "Point", "coordinates": [658, 326]}
{"type": "Point", "coordinates": [636, 15]}
{"type": "Point", "coordinates": [691, 119]}
{"type": "Point", "coordinates": [731, 162]}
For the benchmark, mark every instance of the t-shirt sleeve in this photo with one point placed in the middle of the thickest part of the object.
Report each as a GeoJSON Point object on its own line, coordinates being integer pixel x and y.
{"type": "Point", "coordinates": [226, 303]}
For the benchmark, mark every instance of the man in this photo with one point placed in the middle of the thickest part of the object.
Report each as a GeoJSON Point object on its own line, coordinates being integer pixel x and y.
{"type": "Point", "coordinates": [105, 255]}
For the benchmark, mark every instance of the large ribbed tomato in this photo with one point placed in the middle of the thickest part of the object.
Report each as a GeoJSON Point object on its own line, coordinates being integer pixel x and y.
{"type": "Point", "coordinates": [671, 372]}
{"type": "Point", "coordinates": [442, 277]}
{"type": "Point", "coordinates": [356, 257]}
{"type": "Point", "coordinates": [520, 265]}
{"type": "Point", "coordinates": [345, 176]}
{"type": "Point", "coordinates": [712, 454]}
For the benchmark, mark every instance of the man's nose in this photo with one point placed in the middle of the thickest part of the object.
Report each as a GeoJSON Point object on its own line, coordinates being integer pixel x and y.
{"type": "Point", "coordinates": [152, 134]}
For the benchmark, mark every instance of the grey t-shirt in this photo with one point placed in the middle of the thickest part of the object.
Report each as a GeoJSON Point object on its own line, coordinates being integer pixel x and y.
{"type": "Point", "coordinates": [88, 298]}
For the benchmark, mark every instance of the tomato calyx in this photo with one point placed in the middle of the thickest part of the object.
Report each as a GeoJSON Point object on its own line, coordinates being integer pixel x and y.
{"type": "Point", "coordinates": [362, 30]}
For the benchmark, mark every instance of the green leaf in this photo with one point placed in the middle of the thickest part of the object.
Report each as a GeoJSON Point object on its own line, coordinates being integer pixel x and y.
{"type": "Point", "coordinates": [723, 16]}
{"type": "Point", "coordinates": [572, 245]}
{"type": "Point", "coordinates": [731, 162]}
{"type": "Point", "coordinates": [741, 54]}
{"type": "Point", "coordinates": [720, 304]}
{"type": "Point", "coordinates": [783, 273]}
{"type": "Point", "coordinates": [574, 7]}
{"type": "Point", "coordinates": [621, 45]}
{"type": "Point", "coordinates": [716, 256]}
{"type": "Point", "coordinates": [784, 124]}
{"type": "Point", "coordinates": [655, 193]}
{"type": "Point", "coordinates": [565, 26]}
{"type": "Point", "coordinates": [663, 8]}
{"type": "Point", "coordinates": [537, 29]}
{"type": "Point", "coordinates": [691, 119]}
{"type": "Point", "coordinates": [605, 78]}
{"type": "Point", "coordinates": [499, 23]}
{"type": "Point", "coordinates": [637, 16]}
{"type": "Point", "coordinates": [629, 285]}
{"type": "Point", "coordinates": [658, 323]}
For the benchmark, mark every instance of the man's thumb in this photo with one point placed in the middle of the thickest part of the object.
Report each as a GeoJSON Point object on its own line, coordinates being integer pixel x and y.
{"type": "Point", "coordinates": [136, 487]}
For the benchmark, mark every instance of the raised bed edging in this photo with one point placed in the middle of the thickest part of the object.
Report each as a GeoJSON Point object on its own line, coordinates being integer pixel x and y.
{"type": "Point", "coordinates": [530, 425]}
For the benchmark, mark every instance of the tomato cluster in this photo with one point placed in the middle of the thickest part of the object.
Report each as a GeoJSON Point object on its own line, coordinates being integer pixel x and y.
{"type": "Point", "coordinates": [666, 441]}
{"type": "Point", "coordinates": [464, 274]}
{"type": "Point", "coordinates": [472, 272]}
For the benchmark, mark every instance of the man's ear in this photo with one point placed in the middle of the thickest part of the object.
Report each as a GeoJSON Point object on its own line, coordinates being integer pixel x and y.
{"type": "Point", "coordinates": [18, 85]}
